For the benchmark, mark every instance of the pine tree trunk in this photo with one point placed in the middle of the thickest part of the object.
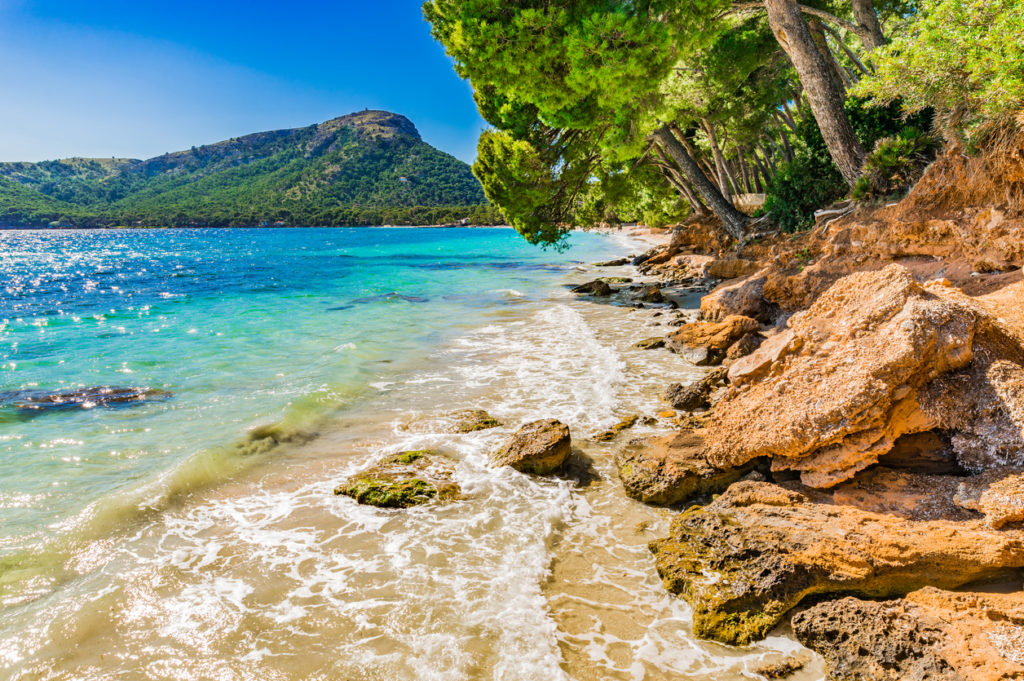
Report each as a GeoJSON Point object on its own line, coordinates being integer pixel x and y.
{"type": "Point", "coordinates": [675, 178]}
{"type": "Point", "coordinates": [825, 98]}
{"type": "Point", "coordinates": [817, 30]}
{"type": "Point", "coordinates": [716, 153]}
{"type": "Point", "coordinates": [865, 16]}
{"type": "Point", "coordinates": [744, 171]}
{"type": "Point", "coordinates": [735, 222]}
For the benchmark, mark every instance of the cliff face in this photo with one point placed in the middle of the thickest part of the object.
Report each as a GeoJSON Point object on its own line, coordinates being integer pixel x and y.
{"type": "Point", "coordinates": [302, 175]}
{"type": "Point", "coordinates": [884, 409]}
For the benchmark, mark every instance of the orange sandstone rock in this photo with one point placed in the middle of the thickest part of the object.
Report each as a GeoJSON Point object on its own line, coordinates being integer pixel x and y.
{"type": "Point", "coordinates": [930, 634]}
{"type": "Point", "coordinates": [754, 553]}
{"type": "Point", "coordinates": [707, 342]}
{"type": "Point", "coordinates": [877, 357]}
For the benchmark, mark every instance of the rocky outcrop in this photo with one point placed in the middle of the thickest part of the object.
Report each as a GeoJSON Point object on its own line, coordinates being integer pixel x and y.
{"type": "Point", "coordinates": [540, 448]}
{"type": "Point", "coordinates": [596, 287]}
{"type": "Point", "coordinates": [697, 395]}
{"type": "Point", "coordinates": [930, 634]}
{"type": "Point", "coordinates": [755, 552]}
{"type": "Point", "coordinates": [622, 426]}
{"type": "Point", "coordinates": [732, 268]}
{"type": "Point", "coordinates": [877, 357]}
{"type": "Point", "coordinates": [706, 343]}
{"type": "Point", "coordinates": [672, 470]}
{"type": "Point", "coordinates": [472, 420]}
{"type": "Point", "coordinates": [403, 480]}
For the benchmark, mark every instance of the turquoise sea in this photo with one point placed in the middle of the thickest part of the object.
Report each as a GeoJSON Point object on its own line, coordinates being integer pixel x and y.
{"type": "Point", "coordinates": [177, 406]}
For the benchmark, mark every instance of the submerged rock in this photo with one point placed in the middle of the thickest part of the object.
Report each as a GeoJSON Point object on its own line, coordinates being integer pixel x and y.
{"type": "Point", "coordinates": [650, 343]}
{"type": "Point", "coordinates": [613, 263]}
{"type": "Point", "coordinates": [403, 480]}
{"type": "Point", "coordinates": [754, 553]}
{"type": "Point", "coordinates": [672, 470]}
{"type": "Point", "coordinates": [596, 287]}
{"type": "Point", "coordinates": [540, 448]}
{"type": "Point", "coordinates": [930, 634]}
{"type": "Point", "coordinates": [472, 420]}
{"type": "Point", "coordinates": [38, 401]}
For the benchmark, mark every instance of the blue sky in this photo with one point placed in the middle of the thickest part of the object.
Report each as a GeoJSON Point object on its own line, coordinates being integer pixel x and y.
{"type": "Point", "coordinates": [143, 77]}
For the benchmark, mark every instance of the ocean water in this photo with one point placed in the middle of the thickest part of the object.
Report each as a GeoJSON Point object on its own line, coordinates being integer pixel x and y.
{"type": "Point", "coordinates": [195, 535]}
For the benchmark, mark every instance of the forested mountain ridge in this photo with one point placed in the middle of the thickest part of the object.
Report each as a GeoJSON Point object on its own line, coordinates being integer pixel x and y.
{"type": "Point", "coordinates": [370, 167]}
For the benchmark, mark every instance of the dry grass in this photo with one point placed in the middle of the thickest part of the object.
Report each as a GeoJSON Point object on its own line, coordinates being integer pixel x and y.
{"type": "Point", "coordinates": [994, 177]}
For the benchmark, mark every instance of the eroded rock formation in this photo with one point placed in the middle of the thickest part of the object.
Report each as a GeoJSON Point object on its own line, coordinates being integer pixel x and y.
{"type": "Point", "coordinates": [540, 448]}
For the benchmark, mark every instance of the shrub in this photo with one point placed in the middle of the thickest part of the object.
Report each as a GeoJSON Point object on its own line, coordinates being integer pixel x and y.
{"type": "Point", "coordinates": [895, 164]}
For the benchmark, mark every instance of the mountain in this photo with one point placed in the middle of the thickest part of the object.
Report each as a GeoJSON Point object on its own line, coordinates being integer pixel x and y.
{"type": "Point", "coordinates": [370, 167]}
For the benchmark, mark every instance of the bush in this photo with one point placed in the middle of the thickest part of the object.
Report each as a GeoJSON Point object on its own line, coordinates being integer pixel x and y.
{"type": "Point", "coordinates": [895, 164]}
{"type": "Point", "coordinates": [812, 180]}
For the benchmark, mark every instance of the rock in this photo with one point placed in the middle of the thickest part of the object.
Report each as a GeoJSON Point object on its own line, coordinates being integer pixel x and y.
{"type": "Point", "coordinates": [930, 452]}
{"type": "Point", "coordinates": [914, 496]}
{"type": "Point", "coordinates": [744, 297]}
{"type": "Point", "coordinates": [616, 280]}
{"type": "Point", "coordinates": [594, 288]}
{"type": "Point", "coordinates": [650, 343]}
{"type": "Point", "coordinates": [877, 357]}
{"type": "Point", "coordinates": [744, 346]}
{"type": "Point", "coordinates": [613, 263]}
{"type": "Point", "coordinates": [782, 669]}
{"type": "Point", "coordinates": [704, 343]}
{"type": "Point", "coordinates": [651, 294]}
{"type": "Point", "coordinates": [472, 420]}
{"type": "Point", "coordinates": [624, 424]}
{"type": "Point", "coordinates": [997, 494]}
{"type": "Point", "coordinates": [755, 552]}
{"type": "Point", "coordinates": [540, 448]}
{"type": "Point", "coordinates": [403, 480]}
{"type": "Point", "coordinates": [671, 470]}
{"type": "Point", "coordinates": [31, 402]}
{"type": "Point", "coordinates": [695, 395]}
{"type": "Point", "coordinates": [930, 634]}
{"type": "Point", "coordinates": [732, 268]}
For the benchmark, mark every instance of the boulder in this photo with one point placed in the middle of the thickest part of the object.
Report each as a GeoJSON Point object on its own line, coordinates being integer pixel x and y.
{"type": "Point", "coordinates": [671, 470]}
{"type": "Point", "coordinates": [696, 395]}
{"type": "Point", "coordinates": [540, 448]}
{"type": "Point", "coordinates": [744, 297]}
{"type": "Point", "coordinates": [876, 358]}
{"type": "Point", "coordinates": [616, 280]}
{"type": "Point", "coordinates": [651, 294]}
{"type": "Point", "coordinates": [594, 288]}
{"type": "Point", "coordinates": [705, 343]}
{"type": "Point", "coordinates": [613, 263]}
{"type": "Point", "coordinates": [472, 420]}
{"type": "Point", "coordinates": [402, 480]}
{"type": "Point", "coordinates": [931, 634]}
{"type": "Point", "coordinates": [755, 552]}
{"type": "Point", "coordinates": [744, 346]}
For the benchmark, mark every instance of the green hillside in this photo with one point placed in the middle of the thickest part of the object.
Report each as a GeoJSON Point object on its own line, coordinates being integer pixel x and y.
{"type": "Point", "coordinates": [370, 167]}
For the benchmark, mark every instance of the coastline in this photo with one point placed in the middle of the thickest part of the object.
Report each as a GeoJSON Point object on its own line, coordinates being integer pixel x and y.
{"type": "Point", "coordinates": [556, 548]}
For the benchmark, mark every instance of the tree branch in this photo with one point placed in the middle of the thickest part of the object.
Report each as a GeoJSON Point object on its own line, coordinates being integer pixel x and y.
{"type": "Point", "coordinates": [859, 31]}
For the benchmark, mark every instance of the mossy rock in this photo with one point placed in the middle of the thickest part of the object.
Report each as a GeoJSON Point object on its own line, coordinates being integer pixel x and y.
{"type": "Point", "coordinates": [472, 420]}
{"type": "Point", "coordinates": [403, 480]}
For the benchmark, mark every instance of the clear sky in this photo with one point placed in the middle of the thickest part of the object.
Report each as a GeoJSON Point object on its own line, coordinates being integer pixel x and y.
{"type": "Point", "coordinates": [138, 78]}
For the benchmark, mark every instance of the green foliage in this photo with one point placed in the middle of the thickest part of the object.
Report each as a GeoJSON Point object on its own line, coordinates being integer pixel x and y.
{"type": "Point", "coordinates": [895, 163]}
{"type": "Point", "coordinates": [812, 180]}
{"type": "Point", "coordinates": [964, 58]}
{"type": "Point", "coordinates": [363, 169]}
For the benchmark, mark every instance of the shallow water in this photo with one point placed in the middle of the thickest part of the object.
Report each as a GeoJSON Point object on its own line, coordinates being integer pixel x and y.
{"type": "Point", "coordinates": [175, 544]}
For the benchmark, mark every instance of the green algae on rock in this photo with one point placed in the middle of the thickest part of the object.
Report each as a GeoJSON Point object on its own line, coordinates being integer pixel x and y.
{"type": "Point", "coordinates": [472, 420]}
{"type": "Point", "coordinates": [402, 480]}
